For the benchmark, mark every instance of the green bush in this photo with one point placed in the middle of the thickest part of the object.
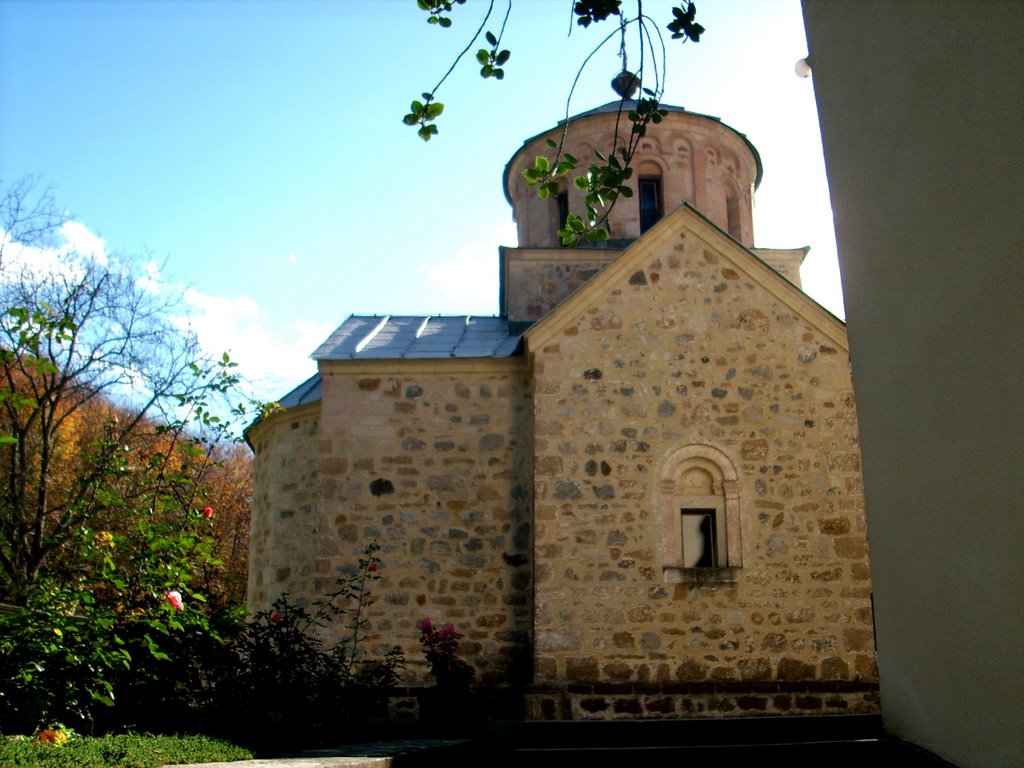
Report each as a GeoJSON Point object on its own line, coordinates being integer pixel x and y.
{"type": "Point", "coordinates": [123, 751]}
{"type": "Point", "coordinates": [125, 634]}
{"type": "Point", "coordinates": [286, 687]}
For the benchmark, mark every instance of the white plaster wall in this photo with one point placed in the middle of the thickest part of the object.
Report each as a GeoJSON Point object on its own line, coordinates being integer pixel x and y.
{"type": "Point", "coordinates": [922, 115]}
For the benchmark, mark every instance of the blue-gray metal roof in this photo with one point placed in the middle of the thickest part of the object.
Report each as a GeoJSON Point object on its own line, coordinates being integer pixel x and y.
{"type": "Point", "coordinates": [308, 391]}
{"type": "Point", "coordinates": [386, 337]}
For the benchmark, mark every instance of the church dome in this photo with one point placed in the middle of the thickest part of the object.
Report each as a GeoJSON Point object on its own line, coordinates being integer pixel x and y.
{"type": "Point", "coordinates": [687, 157]}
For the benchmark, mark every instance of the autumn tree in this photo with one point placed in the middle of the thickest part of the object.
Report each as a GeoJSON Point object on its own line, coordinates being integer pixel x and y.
{"type": "Point", "coordinates": [227, 483]}
{"type": "Point", "coordinates": [105, 402]}
{"type": "Point", "coordinates": [115, 460]}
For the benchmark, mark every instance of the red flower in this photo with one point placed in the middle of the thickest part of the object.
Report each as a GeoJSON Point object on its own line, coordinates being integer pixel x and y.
{"type": "Point", "coordinates": [372, 567]}
{"type": "Point", "coordinates": [174, 598]}
{"type": "Point", "coordinates": [275, 617]}
{"type": "Point", "coordinates": [208, 512]}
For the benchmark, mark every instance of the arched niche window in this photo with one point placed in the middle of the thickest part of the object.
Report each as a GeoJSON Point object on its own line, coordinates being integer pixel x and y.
{"type": "Point", "coordinates": [699, 516]}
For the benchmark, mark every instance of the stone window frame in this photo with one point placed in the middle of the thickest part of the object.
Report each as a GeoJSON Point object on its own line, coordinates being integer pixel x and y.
{"type": "Point", "coordinates": [672, 500]}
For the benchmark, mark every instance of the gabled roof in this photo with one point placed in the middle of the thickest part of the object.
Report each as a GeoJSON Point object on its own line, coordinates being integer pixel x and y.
{"type": "Point", "coordinates": [665, 232]}
{"type": "Point", "coordinates": [389, 337]}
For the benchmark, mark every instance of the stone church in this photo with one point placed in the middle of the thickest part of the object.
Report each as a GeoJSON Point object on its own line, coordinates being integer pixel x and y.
{"type": "Point", "coordinates": [636, 490]}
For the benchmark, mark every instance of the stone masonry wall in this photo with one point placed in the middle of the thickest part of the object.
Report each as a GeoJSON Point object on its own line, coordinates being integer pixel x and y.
{"type": "Point", "coordinates": [284, 506]}
{"type": "Point", "coordinates": [536, 280]}
{"type": "Point", "coordinates": [688, 348]}
{"type": "Point", "coordinates": [435, 467]}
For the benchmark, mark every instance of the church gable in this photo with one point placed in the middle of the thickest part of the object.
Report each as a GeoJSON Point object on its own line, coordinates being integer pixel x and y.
{"type": "Point", "coordinates": [710, 262]}
{"type": "Point", "coordinates": [689, 395]}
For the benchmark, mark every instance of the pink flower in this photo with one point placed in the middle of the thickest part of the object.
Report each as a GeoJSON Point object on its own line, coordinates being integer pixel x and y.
{"type": "Point", "coordinates": [275, 617]}
{"type": "Point", "coordinates": [174, 598]}
{"type": "Point", "coordinates": [208, 512]}
{"type": "Point", "coordinates": [423, 625]}
{"type": "Point", "coordinates": [372, 567]}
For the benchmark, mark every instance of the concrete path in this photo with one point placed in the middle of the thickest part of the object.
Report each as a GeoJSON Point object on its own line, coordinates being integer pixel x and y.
{"type": "Point", "coordinates": [378, 755]}
{"type": "Point", "coordinates": [301, 762]}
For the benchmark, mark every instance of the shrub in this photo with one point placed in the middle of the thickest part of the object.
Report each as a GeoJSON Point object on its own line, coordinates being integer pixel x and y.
{"type": "Point", "coordinates": [441, 646]}
{"type": "Point", "coordinates": [287, 685]}
{"type": "Point", "coordinates": [124, 751]}
{"type": "Point", "coordinates": [128, 625]}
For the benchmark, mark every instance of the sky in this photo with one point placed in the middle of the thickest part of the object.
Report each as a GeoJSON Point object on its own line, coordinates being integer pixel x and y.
{"type": "Point", "coordinates": [252, 153]}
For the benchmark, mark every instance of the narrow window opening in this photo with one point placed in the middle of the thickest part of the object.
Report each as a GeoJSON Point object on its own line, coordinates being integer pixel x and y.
{"type": "Point", "coordinates": [562, 201]}
{"type": "Point", "coordinates": [700, 538]}
{"type": "Point", "coordinates": [732, 214]}
{"type": "Point", "coordinates": [650, 203]}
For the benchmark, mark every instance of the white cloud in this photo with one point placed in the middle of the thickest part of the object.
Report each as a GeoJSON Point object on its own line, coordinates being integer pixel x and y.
{"type": "Point", "coordinates": [79, 239]}
{"type": "Point", "coordinates": [471, 276]}
{"type": "Point", "coordinates": [152, 280]}
{"type": "Point", "coordinates": [79, 244]}
{"type": "Point", "coordinates": [272, 357]}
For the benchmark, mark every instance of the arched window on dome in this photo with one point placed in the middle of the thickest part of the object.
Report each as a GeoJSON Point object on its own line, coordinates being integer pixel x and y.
{"type": "Point", "coordinates": [562, 204]}
{"type": "Point", "coordinates": [651, 209]}
{"type": "Point", "coordinates": [649, 191]}
{"type": "Point", "coordinates": [698, 508]}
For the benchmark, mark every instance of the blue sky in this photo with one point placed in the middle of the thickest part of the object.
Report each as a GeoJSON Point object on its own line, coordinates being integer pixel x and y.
{"type": "Point", "coordinates": [255, 150]}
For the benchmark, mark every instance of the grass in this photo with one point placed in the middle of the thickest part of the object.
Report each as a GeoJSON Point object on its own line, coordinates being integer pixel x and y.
{"type": "Point", "coordinates": [121, 751]}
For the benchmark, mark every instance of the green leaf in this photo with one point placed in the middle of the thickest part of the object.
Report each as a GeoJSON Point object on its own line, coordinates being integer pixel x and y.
{"type": "Point", "coordinates": [434, 110]}
{"type": "Point", "coordinates": [482, 56]}
{"type": "Point", "coordinates": [551, 143]}
{"type": "Point", "coordinates": [491, 38]}
{"type": "Point", "coordinates": [503, 57]}
{"type": "Point", "coordinates": [541, 163]}
{"type": "Point", "coordinates": [485, 70]}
